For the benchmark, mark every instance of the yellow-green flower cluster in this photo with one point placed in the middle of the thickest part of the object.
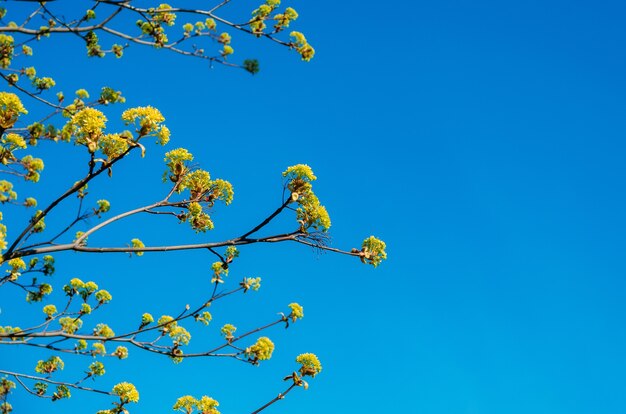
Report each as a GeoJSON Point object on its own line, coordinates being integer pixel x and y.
{"type": "Point", "coordinates": [127, 392]}
{"type": "Point", "coordinates": [30, 72]}
{"type": "Point", "coordinates": [96, 369]}
{"type": "Point", "coordinates": [84, 289]}
{"type": "Point", "coordinates": [33, 167]}
{"type": "Point", "coordinates": [40, 224]}
{"type": "Point", "coordinates": [98, 349]}
{"type": "Point", "coordinates": [228, 330]}
{"type": "Point", "coordinates": [82, 93]}
{"type": "Point", "coordinates": [283, 19]}
{"type": "Point", "coordinates": [302, 46]}
{"type": "Point", "coordinates": [311, 366]}
{"type": "Point", "coordinates": [40, 388]}
{"type": "Point", "coordinates": [219, 269]}
{"type": "Point", "coordinates": [62, 391]}
{"type": "Point", "coordinates": [93, 45]}
{"type": "Point", "coordinates": [16, 266]}
{"type": "Point", "coordinates": [148, 121]}
{"type": "Point", "coordinates": [166, 323]}
{"type": "Point", "coordinates": [10, 105]}
{"type": "Point", "coordinates": [179, 335]}
{"type": "Point", "coordinates": [6, 50]}
{"type": "Point", "coordinates": [102, 329]}
{"type": "Point", "coordinates": [188, 404]}
{"type": "Point", "coordinates": [87, 126]}
{"type": "Point", "coordinates": [261, 350]}
{"type": "Point", "coordinates": [103, 296]}
{"type": "Point", "coordinates": [50, 365]}
{"type": "Point", "coordinates": [198, 182]}
{"type": "Point", "coordinates": [373, 251]}
{"type": "Point", "coordinates": [85, 309]}
{"type": "Point", "coordinates": [80, 345]}
{"type": "Point", "coordinates": [260, 14]}
{"type": "Point", "coordinates": [49, 310]}
{"type": "Point", "coordinates": [121, 352]}
{"type": "Point", "coordinates": [310, 213]}
{"type": "Point", "coordinates": [137, 244]}
{"type": "Point", "coordinates": [6, 191]}
{"type": "Point", "coordinates": [43, 83]}
{"type": "Point", "coordinates": [205, 317]}
{"type": "Point", "coordinates": [198, 219]}
{"type": "Point", "coordinates": [70, 325]}
{"type": "Point", "coordinates": [155, 30]}
{"type": "Point", "coordinates": [253, 283]}
{"type": "Point", "coordinates": [227, 50]}
{"type": "Point", "coordinates": [146, 319]}
{"type": "Point", "coordinates": [161, 15]}
{"type": "Point", "coordinates": [220, 190]}
{"type": "Point", "coordinates": [114, 145]}
{"type": "Point", "coordinates": [5, 387]}
{"type": "Point", "coordinates": [231, 253]}
{"type": "Point", "coordinates": [297, 311]}
{"type": "Point", "coordinates": [176, 161]}
{"type": "Point", "coordinates": [103, 206]}
{"type": "Point", "coordinates": [12, 141]}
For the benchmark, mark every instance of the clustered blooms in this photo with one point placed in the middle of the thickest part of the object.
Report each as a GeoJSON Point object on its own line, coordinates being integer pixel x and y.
{"type": "Point", "coordinates": [87, 126]}
{"type": "Point", "coordinates": [179, 335]}
{"type": "Point", "coordinates": [227, 331]}
{"type": "Point", "coordinates": [137, 244]}
{"type": "Point", "coordinates": [98, 349]}
{"type": "Point", "coordinates": [10, 106]}
{"type": "Point", "coordinates": [302, 46]}
{"type": "Point", "coordinates": [263, 13]}
{"type": "Point", "coordinates": [148, 121]}
{"type": "Point", "coordinates": [203, 190]}
{"type": "Point", "coordinates": [102, 329]}
{"type": "Point", "coordinates": [253, 283]}
{"type": "Point", "coordinates": [188, 404]}
{"type": "Point", "coordinates": [127, 392]}
{"type": "Point", "coordinates": [121, 352]}
{"type": "Point", "coordinates": [297, 311]}
{"type": "Point", "coordinates": [310, 214]}
{"type": "Point", "coordinates": [205, 317]}
{"type": "Point", "coordinates": [373, 251]}
{"type": "Point", "coordinates": [311, 366]}
{"type": "Point", "coordinates": [5, 387]}
{"type": "Point", "coordinates": [6, 50]}
{"type": "Point", "coordinates": [49, 310]}
{"type": "Point", "coordinates": [261, 350]}
{"type": "Point", "coordinates": [70, 325]}
{"type": "Point", "coordinates": [50, 365]}
{"type": "Point", "coordinates": [96, 369]}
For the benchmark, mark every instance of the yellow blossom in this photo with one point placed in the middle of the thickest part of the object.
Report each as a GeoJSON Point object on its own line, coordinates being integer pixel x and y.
{"type": "Point", "coordinates": [127, 392]}
{"type": "Point", "coordinates": [310, 364]}
{"type": "Point", "coordinates": [10, 109]}
{"type": "Point", "coordinates": [262, 349]}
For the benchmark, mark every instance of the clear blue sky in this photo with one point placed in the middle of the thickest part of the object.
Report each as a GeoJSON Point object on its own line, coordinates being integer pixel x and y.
{"type": "Point", "coordinates": [483, 141]}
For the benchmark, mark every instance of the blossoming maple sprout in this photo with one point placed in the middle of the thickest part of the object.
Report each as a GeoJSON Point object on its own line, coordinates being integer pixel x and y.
{"type": "Point", "coordinates": [30, 250]}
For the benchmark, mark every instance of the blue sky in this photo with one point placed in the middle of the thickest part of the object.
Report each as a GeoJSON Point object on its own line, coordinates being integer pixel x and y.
{"type": "Point", "coordinates": [482, 141]}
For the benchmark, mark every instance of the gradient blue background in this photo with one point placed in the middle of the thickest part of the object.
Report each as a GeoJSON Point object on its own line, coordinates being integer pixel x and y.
{"type": "Point", "coordinates": [483, 141]}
